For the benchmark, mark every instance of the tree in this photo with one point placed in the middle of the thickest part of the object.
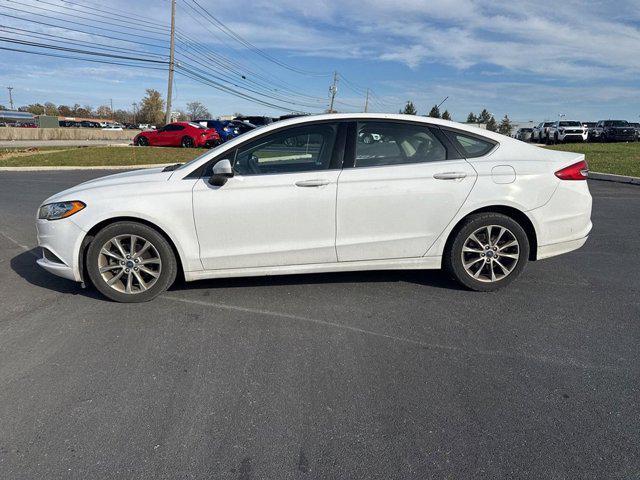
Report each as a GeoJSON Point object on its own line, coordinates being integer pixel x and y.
{"type": "Point", "coordinates": [64, 111]}
{"type": "Point", "coordinates": [104, 111]}
{"type": "Point", "coordinates": [50, 109]}
{"type": "Point", "coordinates": [152, 108]}
{"type": "Point", "coordinates": [435, 112]}
{"type": "Point", "coordinates": [446, 115]}
{"type": "Point", "coordinates": [409, 109]}
{"type": "Point", "coordinates": [122, 116]}
{"type": "Point", "coordinates": [183, 117]}
{"type": "Point", "coordinates": [484, 116]}
{"type": "Point", "coordinates": [34, 108]}
{"type": "Point", "coordinates": [86, 111]}
{"type": "Point", "coordinates": [2, 107]}
{"type": "Point", "coordinates": [492, 125]}
{"type": "Point", "coordinates": [197, 110]}
{"type": "Point", "coordinates": [505, 126]}
{"type": "Point", "coordinates": [471, 118]}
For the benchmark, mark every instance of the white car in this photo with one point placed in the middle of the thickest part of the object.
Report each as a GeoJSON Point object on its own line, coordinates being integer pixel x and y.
{"type": "Point", "coordinates": [435, 194]}
{"type": "Point", "coordinates": [567, 131]}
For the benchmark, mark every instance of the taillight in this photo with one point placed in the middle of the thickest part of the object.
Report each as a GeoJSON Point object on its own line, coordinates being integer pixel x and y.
{"type": "Point", "coordinates": [577, 171]}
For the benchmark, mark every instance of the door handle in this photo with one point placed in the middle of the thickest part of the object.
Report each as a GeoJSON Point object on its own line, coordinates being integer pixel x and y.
{"type": "Point", "coordinates": [449, 175]}
{"type": "Point", "coordinates": [312, 183]}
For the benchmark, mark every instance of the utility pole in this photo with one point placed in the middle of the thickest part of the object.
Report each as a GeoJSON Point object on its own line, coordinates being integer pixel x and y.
{"type": "Point", "coordinates": [10, 98]}
{"type": "Point", "coordinates": [167, 118]}
{"type": "Point", "coordinates": [366, 102]}
{"type": "Point", "coordinates": [111, 101]}
{"type": "Point", "coordinates": [134, 104]}
{"type": "Point", "coordinates": [333, 89]}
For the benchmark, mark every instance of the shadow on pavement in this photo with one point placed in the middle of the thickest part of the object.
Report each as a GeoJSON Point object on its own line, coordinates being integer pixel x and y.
{"type": "Point", "coordinates": [25, 266]}
{"type": "Point", "coordinates": [431, 278]}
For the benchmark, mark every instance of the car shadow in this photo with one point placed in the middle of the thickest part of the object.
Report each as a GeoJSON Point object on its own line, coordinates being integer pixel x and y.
{"type": "Point", "coordinates": [430, 278]}
{"type": "Point", "coordinates": [25, 266]}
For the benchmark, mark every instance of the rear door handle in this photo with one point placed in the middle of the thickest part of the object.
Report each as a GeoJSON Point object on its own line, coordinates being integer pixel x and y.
{"type": "Point", "coordinates": [449, 175]}
{"type": "Point", "coordinates": [312, 183]}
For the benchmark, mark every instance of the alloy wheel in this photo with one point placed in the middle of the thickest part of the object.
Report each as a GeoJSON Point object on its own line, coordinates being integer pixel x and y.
{"type": "Point", "coordinates": [490, 253]}
{"type": "Point", "coordinates": [129, 264]}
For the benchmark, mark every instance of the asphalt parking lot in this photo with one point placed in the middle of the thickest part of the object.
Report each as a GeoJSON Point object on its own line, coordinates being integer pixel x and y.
{"type": "Point", "coordinates": [358, 375]}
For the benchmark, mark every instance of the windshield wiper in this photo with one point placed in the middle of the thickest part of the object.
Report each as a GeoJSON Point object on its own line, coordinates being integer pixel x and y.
{"type": "Point", "coordinates": [170, 168]}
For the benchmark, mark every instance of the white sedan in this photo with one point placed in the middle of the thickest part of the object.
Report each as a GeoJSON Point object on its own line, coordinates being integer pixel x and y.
{"type": "Point", "coordinates": [304, 195]}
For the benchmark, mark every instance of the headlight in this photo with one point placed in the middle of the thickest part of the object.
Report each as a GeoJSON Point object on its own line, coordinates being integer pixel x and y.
{"type": "Point", "coordinates": [58, 210]}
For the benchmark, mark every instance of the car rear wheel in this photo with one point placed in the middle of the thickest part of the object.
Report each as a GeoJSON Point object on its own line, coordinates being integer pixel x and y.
{"type": "Point", "coordinates": [187, 142]}
{"type": "Point", "coordinates": [130, 262]}
{"type": "Point", "coordinates": [487, 252]}
{"type": "Point", "coordinates": [142, 142]}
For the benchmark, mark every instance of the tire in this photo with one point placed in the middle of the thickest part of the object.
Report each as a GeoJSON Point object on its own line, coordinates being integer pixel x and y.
{"type": "Point", "coordinates": [156, 269]}
{"type": "Point", "coordinates": [454, 259]}
{"type": "Point", "coordinates": [187, 142]}
{"type": "Point", "coordinates": [142, 142]}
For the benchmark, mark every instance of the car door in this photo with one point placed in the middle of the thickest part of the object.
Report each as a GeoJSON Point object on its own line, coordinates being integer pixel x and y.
{"type": "Point", "coordinates": [160, 137]}
{"type": "Point", "coordinates": [398, 193]}
{"type": "Point", "coordinates": [279, 207]}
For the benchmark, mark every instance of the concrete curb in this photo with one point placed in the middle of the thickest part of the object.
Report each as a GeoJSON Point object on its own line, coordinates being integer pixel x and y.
{"type": "Point", "coordinates": [105, 167]}
{"type": "Point", "coordinates": [610, 177]}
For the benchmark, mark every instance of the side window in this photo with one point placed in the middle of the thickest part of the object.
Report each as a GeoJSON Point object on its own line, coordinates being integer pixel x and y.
{"type": "Point", "coordinates": [472, 147]}
{"type": "Point", "coordinates": [297, 149]}
{"type": "Point", "coordinates": [389, 143]}
{"type": "Point", "coordinates": [172, 128]}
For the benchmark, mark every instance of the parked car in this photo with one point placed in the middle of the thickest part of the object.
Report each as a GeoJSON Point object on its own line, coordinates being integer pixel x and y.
{"type": "Point", "coordinates": [433, 195]}
{"type": "Point", "coordinates": [524, 134]}
{"type": "Point", "coordinates": [179, 134]}
{"type": "Point", "coordinates": [613, 131]}
{"type": "Point", "coordinates": [226, 129]}
{"type": "Point", "coordinates": [540, 132]}
{"type": "Point", "coordinates": [89, 124]}
{"type": "Point", "coordinates": [242, 127]}
{"type": "Point", "coordinates": [113, 128]}
{"type": "Point", "coordinates": [637, 127]}
{"type": "Point", "coordinates": [258, 121]}
{"type": "Point", "coordinates": [567, 131]}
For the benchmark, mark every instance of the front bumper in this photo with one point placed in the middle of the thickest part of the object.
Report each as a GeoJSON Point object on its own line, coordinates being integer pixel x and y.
{"type": "Point", "coordinates": [63, 239]}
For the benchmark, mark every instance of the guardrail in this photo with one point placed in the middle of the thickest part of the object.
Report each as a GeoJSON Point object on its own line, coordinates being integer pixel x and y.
{"type": "Point", "coordinates": [16, 133]}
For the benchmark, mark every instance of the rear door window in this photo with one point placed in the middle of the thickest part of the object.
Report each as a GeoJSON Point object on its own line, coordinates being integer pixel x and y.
{"type": "Point", "coordinates": [470, 146]}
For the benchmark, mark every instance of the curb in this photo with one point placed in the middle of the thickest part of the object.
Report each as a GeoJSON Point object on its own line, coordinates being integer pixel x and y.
{"type": "Point", "coordinates": [100, 167]}
{"type": "Point", "coordinates": [610, 177]}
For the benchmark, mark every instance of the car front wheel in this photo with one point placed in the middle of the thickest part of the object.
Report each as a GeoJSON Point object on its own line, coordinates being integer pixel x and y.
{"type": "Point", "coordinates": [130, 262]}
{"type": "Point", "coordinates": [487, 252]}
{"type": "Point", "coordinates": [142, 141]}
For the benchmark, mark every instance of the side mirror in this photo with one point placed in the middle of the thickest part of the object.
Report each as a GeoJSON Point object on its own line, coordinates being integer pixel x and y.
{"type": "Point", "coordinates": [222, 171]}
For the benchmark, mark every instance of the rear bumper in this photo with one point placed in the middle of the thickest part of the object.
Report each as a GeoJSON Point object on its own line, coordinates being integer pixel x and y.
{"type": "Point", "coordinates": [546, 251]}
{"type": "Point", "coordinates": [564, 223]}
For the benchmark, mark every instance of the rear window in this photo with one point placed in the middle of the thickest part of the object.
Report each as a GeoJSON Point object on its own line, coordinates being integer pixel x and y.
{"type": "Point", "coordinates": [471, 146]}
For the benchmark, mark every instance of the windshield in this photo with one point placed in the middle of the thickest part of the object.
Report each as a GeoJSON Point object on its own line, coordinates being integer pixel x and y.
{"type": "Point", "coordinates": [570, 124]}
{"type": "Point", "coordinates": [548, 124]}
{"type": "Point", "coordinates": [616, 123]}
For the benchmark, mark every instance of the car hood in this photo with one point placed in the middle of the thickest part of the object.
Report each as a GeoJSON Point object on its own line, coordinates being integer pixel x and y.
{"type": "Point", "coordinates": [136, 176]}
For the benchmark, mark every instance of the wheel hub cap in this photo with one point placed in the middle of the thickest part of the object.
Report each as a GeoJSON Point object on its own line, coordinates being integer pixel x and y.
{"type": "Point", "coordinates": [129, 264]}
{"type": "Point", "coordinates": [490, 253]}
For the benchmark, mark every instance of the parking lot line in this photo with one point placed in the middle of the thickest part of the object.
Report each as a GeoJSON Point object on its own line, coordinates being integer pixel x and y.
{"type": "Point", "coordinates": [565, 362]}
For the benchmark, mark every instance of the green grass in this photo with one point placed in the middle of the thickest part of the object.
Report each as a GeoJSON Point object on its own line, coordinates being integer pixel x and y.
{"type": "Point", "coordinates": [618, 158]}
{"type": "Point", "coordinates": [97, 156]}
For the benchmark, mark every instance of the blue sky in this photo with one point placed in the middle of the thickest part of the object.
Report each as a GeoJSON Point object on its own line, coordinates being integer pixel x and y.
{"type": "Point", "coordinates": [531, 60]}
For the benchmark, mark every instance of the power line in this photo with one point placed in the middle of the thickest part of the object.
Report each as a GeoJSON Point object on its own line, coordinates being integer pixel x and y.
{"type": "Point", "coordinates": [76, 23]}
{"type": "Point", "coordinates": [76, 50]}
{"type": "Point", "coordinates": [226, 30]}
{"type": "Point", "coordinates": [46, 54]}
{"type": "Point", "coordinates": [111, 37]}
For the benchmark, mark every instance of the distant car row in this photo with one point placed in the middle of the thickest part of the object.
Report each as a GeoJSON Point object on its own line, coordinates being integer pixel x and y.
{"type": "Point", "coordinates": [574, 131]}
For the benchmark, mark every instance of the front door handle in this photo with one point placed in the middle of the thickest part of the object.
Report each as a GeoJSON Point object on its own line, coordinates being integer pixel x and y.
{"type": "Point", "coordinates": [312, 183]}
{"type": "Point", "coordinates": [449, 175]}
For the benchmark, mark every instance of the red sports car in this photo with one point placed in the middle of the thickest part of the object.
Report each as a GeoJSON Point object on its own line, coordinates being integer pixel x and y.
{"type": "Point", "coordinates": [179, 134]}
